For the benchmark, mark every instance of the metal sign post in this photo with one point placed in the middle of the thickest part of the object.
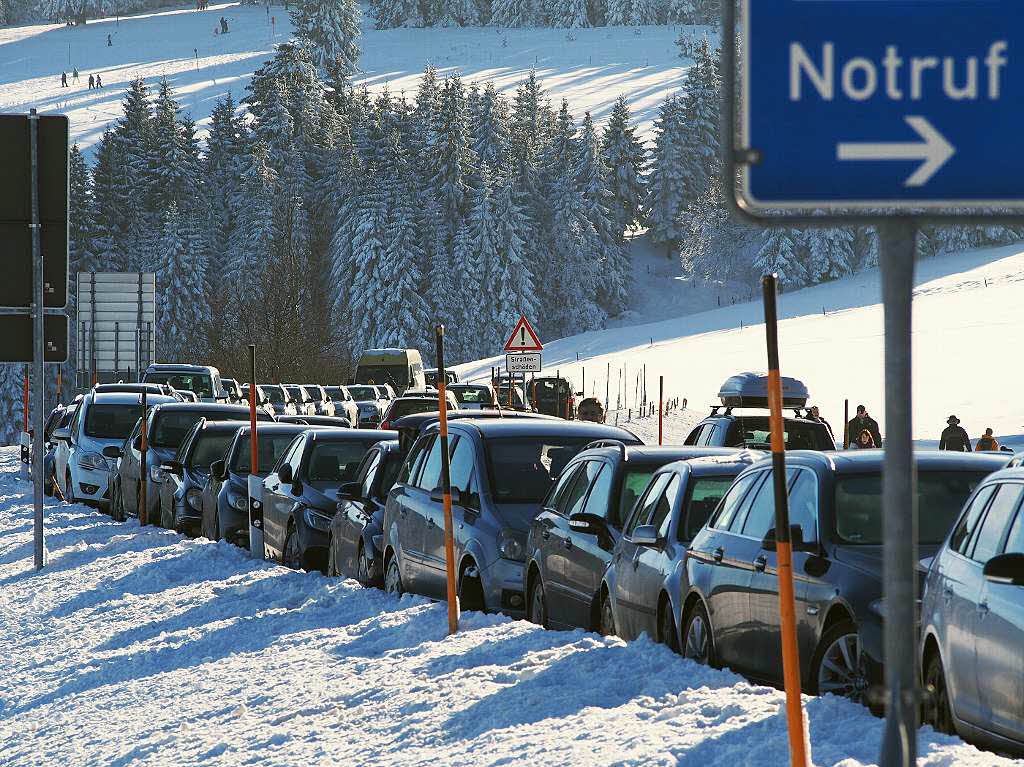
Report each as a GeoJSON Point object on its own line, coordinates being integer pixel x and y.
{"type": "Point", "coordinates": [40, 344]}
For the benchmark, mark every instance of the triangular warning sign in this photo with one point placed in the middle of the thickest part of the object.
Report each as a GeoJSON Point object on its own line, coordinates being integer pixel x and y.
{"type": "Point", "coordinates": [523, 338]}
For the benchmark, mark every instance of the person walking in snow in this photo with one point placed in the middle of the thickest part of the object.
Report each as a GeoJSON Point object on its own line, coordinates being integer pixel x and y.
{"type": "Point", "coordinates": [954, 437]}
{"type": "Point", "coordinates": [986, 442]}
{"type": "Point", "coordinates": [74, 75]}
{"type": "Point", "coordinates": [109, 42]}
{"type": "Point", "coordinates": [63, 79]}
{"type": "Point", "coordinates": [92, 82]}
{"type": "Point", "coordinates": [863, 421]}
{"type": "Point", "coordinates": [99, 82]}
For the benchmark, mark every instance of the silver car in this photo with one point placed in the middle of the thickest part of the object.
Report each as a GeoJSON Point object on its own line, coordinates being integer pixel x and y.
{"type": "Point", "coordinates": [972, 619]}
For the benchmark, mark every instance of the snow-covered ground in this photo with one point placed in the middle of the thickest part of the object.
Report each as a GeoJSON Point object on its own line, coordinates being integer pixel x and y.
{"type": "Point", "coordinates": [139, 647]}
{"type": "Point", "coordinates": [591, 69]}
{"type": "Point", "coordinates": [967, 308]}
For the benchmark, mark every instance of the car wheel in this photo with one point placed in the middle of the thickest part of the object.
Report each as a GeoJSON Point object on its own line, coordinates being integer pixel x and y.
{"type": "Point", "coordinates": [332, 567]}
{"type": "Point", "coordinates": [937, 711]}
{"type": "Point", "coordinates": [393, 578]}
{"type": "Point", "coordinates": [292, 549]}
{"type": "Point", "coordinates": [537, 603]}
{"type": "Point", "coordinates": [667, 628]}
{"type": "Point", "coordinates": [70, 495]}
{"type": "Point", "coordinates": [839, 666]}
{"type": "Point", "coordinates": [165, 518]}
{"type": "Point", "coordinates": [471, 591]}
{"type": "Point", "coordinates": [116, 504]}
{"type": "Point", "coordinates": [607, 622]}
{"type": "Point", "coordinates": [365, 573]}
{"type": "Point", "coordinates": [698, 640]}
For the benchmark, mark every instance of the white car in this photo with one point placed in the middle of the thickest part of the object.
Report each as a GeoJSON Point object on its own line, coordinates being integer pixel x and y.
{"type": "Point", "coordinates": [345, 405]}
{"type": "Point", "coordinates": [102, 421]}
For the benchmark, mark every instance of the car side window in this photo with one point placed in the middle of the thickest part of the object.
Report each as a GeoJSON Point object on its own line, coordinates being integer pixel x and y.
{"type": "Point", "coordinates": [461, 471]}
{"type": "Point", "coordinates": [648, 504]}
{"type": "Point", "coordinates": [296, 457]}
{"type": "Point", "coordinates": [287, 454]}
{"type": "Point", "coordinates": [694, 437]}
{"type": "Point", "coordinates": [761, 514]}
{"type": "Point", "coordinates": [430, 476]}
{"type": "Point", "coordinates": [803, 503]}
{"type": "Point", "coordinates": [561, 486]}
{"type": "Point", "coordinates": [998, 516]}
{"type": "Point", "coordinates": [969, 520]}
{"type": "Point", "coordinates": [704, 494]}
{"type": "Point", "coordinates": [731, 503]}
{"type": "Point", "coordinates": [600, 499]}
{"type": "Point", "coordinates": [369, 473]}
{"type": "Point", "coordinates": [709, 434]}
{"type": "Point", "coordinates": [572, 501]}
{"type": "Point", "coordinates": [662, 513]}
{"type": "Point", "coordinates": [1015, 540]}
{"type": "Point", "coordinates": [412, 464]}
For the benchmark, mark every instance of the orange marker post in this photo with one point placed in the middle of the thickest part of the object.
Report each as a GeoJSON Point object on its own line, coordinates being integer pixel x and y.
{"type": "Point", "coordinates": [783, 540]}
{"type": "Point", "coordinates": [446, 485]}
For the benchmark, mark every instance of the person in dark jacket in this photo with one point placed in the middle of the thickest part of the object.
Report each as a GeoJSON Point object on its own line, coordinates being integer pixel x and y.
{"type": "Point", "coordinates": [63, 79]}
{"type": "Point", "coordinates": [815, 415]}
{"type": "Point", "coordinates": [863, 421]}
{"type": "Point", "coordinates": [864, 441]}
{"type": "Point", "coordinates": [954, 437]}
{"type": "Point", "coordinates": [986, 442]}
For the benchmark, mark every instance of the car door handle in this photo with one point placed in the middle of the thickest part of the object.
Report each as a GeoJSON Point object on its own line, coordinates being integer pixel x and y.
{"type": "Point", "coordinates": [760, 563]}
{"type": "Point", "coordinates": [567, 543]}
{"type": "Point", "coordinates": [430, 522]}
{"type": "Point", "coordinates": [947, 593]}
{"type": "Point", "coordinates": [983, 608]}
{"type": "Point", "coordinates": [718, 554]}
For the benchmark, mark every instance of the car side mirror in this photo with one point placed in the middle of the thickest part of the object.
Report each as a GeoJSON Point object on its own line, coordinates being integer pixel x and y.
{"type": "Point", "coordinates": [583, 522]}
{"type": "Point", "coordinates": [63, 434]}
{"type": "Point", "coordinates": [112, 451]}
{"type": "Point", "coordinates": [350, 491]}
{"type": "Point", "coordinates": [285, 474]}
{"type": "Point", "coordinates": [644, 535]}
{"type": "Point", "coordinates": [1005, 568]}
{"type": "Point", "coordinates": [796, 540]}
{"type": "Point", "coordinates": [218, 471]}
{"type": "Point", "coordinates": [459, 498]}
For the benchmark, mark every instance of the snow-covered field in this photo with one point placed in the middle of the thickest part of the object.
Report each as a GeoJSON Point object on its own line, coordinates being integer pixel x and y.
{"type": "Point", "coordinates": [137, 646]}
{"type": "Point", "coordinates": [591, 70]}
{"type": "Point", "coordinates": [967, 309]}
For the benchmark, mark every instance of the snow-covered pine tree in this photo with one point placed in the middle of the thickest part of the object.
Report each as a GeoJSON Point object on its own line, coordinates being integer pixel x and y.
{"type": "Point", "coordinates": [105, 195]}
{"type": "Point", "coordinates": [626, 159]}
{"type": "Point", "coordinates": [180, 289]}
{"type": "Point", "coordinates": [829, 253]}
{"type": "Point", "coordinates": [707, 12]}
{"type": "Point", "coordinates": [572, 14]}
{"type": "Point", "coordinates": [452, 161]}
{"type": "Point", "coordinates": [513, 13]}
{"type": "Point", "coordinates": [532, 117]}
{"type": "Point", "coordinates": [700, 112]}
{"type": "Point", "coordinates": [222, 166]}
{"type": "Point", "coordinates": [173, 158]}
{"type": "Point", "coordinates": [81, 241]}
{"type": "Point", "coordinates": [515, 294]}
{"type": "Point", "coordinates": [465, 280]}
{"type": "Point", "coordinates": [681, 12]}
{"type": "Point", "coordinates": [647, 12]}
{"type": "Point", "coordinates": [483, 238]}
{"type": "Point", "coordinates": [620, 13]}
{"type": "Point", "coordinates": [491, 130]}
{"type": "Point", "coordinates": [330, 30]}
{"type": "Point", "coordinates": [455, 13]}
{"type": "Point", "coordinates": [669, 181]}
{"type": "Point", "coordinates": [131, 225]}
{"type": "Point", "coordinates": [778, 253]}
{"type": "Point", "coordinates": [255, 231]}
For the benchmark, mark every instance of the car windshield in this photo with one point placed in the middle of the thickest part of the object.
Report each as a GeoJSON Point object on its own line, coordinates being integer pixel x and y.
{"type": "Point", "coordinates": [335, 393]}
{"type": "Point", "coordinates": [336, 462]}
{"type": "Point", "coordinates": [402, 407]}
{"type": "Point", "coordinates": [523, 468]}
{"type": "Point", "coordinates": [362, 393]}
{"type": "Point", "coordinates": [199, 383]}
{"type": "Point", "coordinates": [270, 447]}
{"type": "Point", "coordinates": [633, 485]}
{"type": "Point", "coordinates": [549, 390]}
{"type": "Point", "coordinates": [472, 394]}
{"type": "Point", "coordinates": [755, 432]}
{"type": "Point", "coordinates": [517, 396]}
{"type": "Point", "coordinates": [273, 393]}
{"type": "Point", "coordinates": [940, 496]}
{"type": "Point", "coordinates": [295, 393]}
{"type": "Point", "coordinates": [396, 375]}
{"type": "Point", "coordinates": [314, 393]}
{"type": "Point", "coordinates": [111, 421]}
{"type": "Point", "coordinates": [210, 447]}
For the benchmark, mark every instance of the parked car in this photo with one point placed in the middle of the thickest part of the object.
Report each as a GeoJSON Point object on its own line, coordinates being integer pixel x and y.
{"type": "Point", "coordinates": [279, 398]}
{"type": "Point", "coordinates": [262, 401]}
{"type": "Point", "coordinates": [430, 377]}
{"type": "Point", "coordinates": [370, 405]}
{"type": "Point", "coordinates": [183, 477]}
{"type": "Point", "coordinates": [512, 397]}
{"type": "Point", "coordinates": [233, 389]}
{"type": "Point", "coordinates": [300, 495]}
{"type": "Point", "coordinates": [473, 396]}
{"type": "Point", "coordinates": [304, 404]}
{"type": "Point", "coordinates": [226, 492]}
{"type": "Point", "coordinates": [356, 532]}
{"type": "Point", "coordinates": [552, 396]}
{"type": "Point", "coordinates": [151, 389]}
{"type": "Point", "coordinates": [316, 420]}
{"type": "Point", "coordinates": [322, 401]}
{"type": "Point", "coordinates": [60, 416]}
{"type": "Point", "coordinates": [749, 428]}
{"type": "Point", "coordinates": [386, 392]}
{"type": "Point", "coordinates": [344, 403]}
{"type": "Point", "coordinates": [972, 620]}
{"type": "Point", "coordinates": [81, 467]}
{"type": "Point", "coordinates": [580, 523]}
{"type": "Point", "coordinates": [645, 583]}
{"type": "Point", "coordinates": [730, 616]}
{"type": "Point", "coordinates": [203, 380]}
{"type": "Point", "coordinates": [410, 427]}
{"type": "Point", "coordinates": [415, 403]}
{"type": "Point", "coordinates": [501, 469]}
{"type": "Point", "coordinates": [400, 368]}
{"type": "Point", "coordinates": [166, 426]}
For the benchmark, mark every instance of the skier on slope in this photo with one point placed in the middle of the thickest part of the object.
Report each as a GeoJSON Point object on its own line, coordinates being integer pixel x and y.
{"type": "Point", "coordinates": [954, 437]}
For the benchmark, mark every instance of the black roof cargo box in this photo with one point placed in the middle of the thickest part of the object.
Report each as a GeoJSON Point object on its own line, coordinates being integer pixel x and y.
{"type": "Point", "coordinates": [751, 390]}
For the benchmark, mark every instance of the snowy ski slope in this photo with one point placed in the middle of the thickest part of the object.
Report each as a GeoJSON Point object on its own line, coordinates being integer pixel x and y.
{"type": "Point", "coordinates": [591, 70]}
{"type": "Point", "coordinates": [137, 646]}
{"type": "Point", "coordinates": [968, 309]}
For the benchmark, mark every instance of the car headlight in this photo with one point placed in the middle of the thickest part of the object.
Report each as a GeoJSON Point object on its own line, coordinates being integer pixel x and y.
{"type": "Point", "coordinates": [92, 461]}
{"type": "Point", "coordinates": [512, 545]}
{"type": "Point", "coordinates": [237, 501]}
{"type": "Point", "coordinates": [195, 498]}
{"type": "Point", "coordinates": [155, 474]}
{"type": "Point", "coordinates": [316, 520]}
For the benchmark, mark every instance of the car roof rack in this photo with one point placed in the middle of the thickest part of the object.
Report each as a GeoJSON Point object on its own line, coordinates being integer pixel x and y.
{"type": "Point", "coordinates": [608, 442]}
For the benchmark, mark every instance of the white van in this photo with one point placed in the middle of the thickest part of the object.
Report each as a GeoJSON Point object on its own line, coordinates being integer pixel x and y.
{"type": "Point", "coordinates": [402, 368]}
{"type": "Point", "coordinates": [202, 380]}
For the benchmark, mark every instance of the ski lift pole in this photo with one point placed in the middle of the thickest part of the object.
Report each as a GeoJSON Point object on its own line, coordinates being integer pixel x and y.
{"type": "Point", "coordinates": [783, 540]}
{"type": "Point", "coordinates": [446, 486]}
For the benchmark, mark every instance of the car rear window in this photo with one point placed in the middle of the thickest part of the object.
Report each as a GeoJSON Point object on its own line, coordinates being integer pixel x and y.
{"type": "Point", "coordinates": [210, 447]}
{"type": "Point", "coordinates": [409, 406]}
{"type": "Point", "coordinates": [201, 384]}
{"type": "Point", "coordinates": [755, 432]}
{"type": "Point", "coordinates": [472, 394]}
{"type": "Point", "coordinates": [273, 393]}
{"type": "Point", "coordinates": [940, 497]}
{"type": "Point", "coordinates": [111, 421]}
{"type": "Point", "coordinates": [362, 393]}
{"type": "Point", "coordinates": [336, 461]}
{"type": "Point", "coordinates": [170, 428]}
{"type": "Point", "coordinates": [270, 447]}
{"type": "Point", "coordinates": [523, 468]}
{"type": "Point", "coordinates": [705, 493]}
{"type": "Point", "coordinates": [633, 485]}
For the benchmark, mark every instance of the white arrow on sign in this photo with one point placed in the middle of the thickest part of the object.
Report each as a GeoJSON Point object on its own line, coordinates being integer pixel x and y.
{"type": "Point", "coordinates": [934, 150]}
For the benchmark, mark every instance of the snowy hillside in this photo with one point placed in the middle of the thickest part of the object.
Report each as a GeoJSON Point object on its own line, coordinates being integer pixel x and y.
{"type": "Point", "coordinates": [967, 308]}
{"type": "Point", "coordinates": [137, 646]}
{"type": "Point", "coordinates": [591, 70]}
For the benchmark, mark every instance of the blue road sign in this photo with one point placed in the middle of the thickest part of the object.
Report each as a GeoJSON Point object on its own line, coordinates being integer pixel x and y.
{"type": "Point", "coordinates": [878, 103]}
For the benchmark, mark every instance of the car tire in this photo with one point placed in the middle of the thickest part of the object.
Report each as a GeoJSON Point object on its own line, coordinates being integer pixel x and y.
{"type": "Point", "coordinates": [471, 591]}
{"type": "Point", "coordinates": [116, 503]}
{"type": "Point", "coordinates": [537, 603]}
{"type": "Point", "coordinates": [165, 520]}
{"type": "Point", "coordinates": [332, 567]}
{"type": "Point", "coordinates": [698, 636]}
{"type": "Point", "coordinates": [937, 711]}
{"type": "Point", "coordinates": [667, 634]}
{"type": "Point", "coordinates": [393, 577]}
{"type": "Point", "coordinates": [69, 496]}
{"type": "Point", "coordinates": [838, 665]}
{"type": "Point", "coordinates": [606, 617]}
{"type": "Point", "coordinates": [364, 566]}
{"type": "Point", "coordinates": [292, 554]}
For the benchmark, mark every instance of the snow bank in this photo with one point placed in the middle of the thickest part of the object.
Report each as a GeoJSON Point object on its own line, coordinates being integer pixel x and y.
{"type": "Point", "coordinates": [136, 646]}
